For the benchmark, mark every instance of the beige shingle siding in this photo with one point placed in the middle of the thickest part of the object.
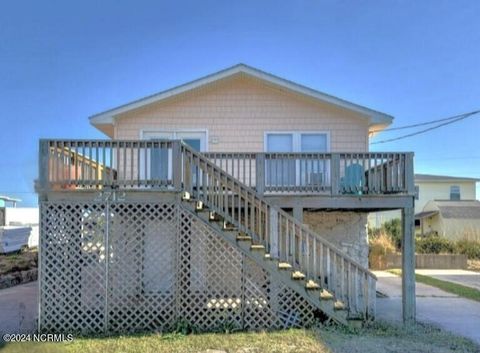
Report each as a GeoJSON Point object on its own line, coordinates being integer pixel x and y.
{"type": "Point", "coordinates": [238, 111]}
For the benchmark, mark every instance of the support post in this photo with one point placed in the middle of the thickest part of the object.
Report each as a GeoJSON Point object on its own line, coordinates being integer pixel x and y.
{"type": "Point", "coordinates": [260, 173]}
{"type": "Point", "coordinates": [408, 266]}
{"type": "Point", "coordinates": [43, 167]}
{"type": "Point", "coordinates": [177, 165]}
{"type": "Point", "coordinates": [298, 213]}
{"type": "Point", "coordinates": [335, 174]}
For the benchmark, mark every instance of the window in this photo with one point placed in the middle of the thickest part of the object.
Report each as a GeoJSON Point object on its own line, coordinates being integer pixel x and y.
{"type": "Point", "coordinates": [417, 192]}
{"type": "Point", "coordinates": [159, 165]}
{"type": "Point", "coordinates": [455, 193]}
{"type": "Point", "coordinates": [294, 172]}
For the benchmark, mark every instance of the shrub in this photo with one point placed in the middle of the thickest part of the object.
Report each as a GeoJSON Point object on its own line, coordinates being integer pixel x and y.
{"type": "Point", "coordinates": [471, 248]}
{"type": "Point", "coordinates": [434, 244]}
{"type": "Point", "coordinates": [380, 246]}
{"type": "Point", "coordinates": [394, 229]}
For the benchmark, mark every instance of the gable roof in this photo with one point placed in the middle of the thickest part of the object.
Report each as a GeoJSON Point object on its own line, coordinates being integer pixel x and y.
{"type": "Point", "coordinates": [376, 118]}
{"type": "Point", "coordinates": [442, 178]}
{"type": "Point", "coordinates": [458, 209]}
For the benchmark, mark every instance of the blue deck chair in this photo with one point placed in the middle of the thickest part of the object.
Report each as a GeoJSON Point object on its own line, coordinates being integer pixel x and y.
{"type": "Point", "coordinates": [354, 180]}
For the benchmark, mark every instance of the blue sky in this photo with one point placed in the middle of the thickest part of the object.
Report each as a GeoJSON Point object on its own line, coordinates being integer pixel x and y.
{"type": "Point", "coordinates": [62, 62]}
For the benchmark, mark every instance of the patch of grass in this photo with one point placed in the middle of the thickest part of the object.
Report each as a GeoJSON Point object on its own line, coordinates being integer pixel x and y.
{"type": "Point", "coordinates": [20, 261]}
{"type": "Point", "coordinates": [377, 337]}
{"type": "Point", "coordinates": [295, 340]}
{"type": "Point", "coordinates": [450, 287]}
{"type": "Point", "coordinates": [381, 337]}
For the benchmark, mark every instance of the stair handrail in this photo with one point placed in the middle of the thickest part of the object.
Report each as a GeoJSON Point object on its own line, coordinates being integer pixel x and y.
{"type": "Point", "coordinates": [207, 171]}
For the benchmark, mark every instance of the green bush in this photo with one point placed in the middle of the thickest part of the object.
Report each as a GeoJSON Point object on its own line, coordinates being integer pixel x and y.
{"type": "Point", "coordinates": [471, 248]}
{"type": "Point", "coordinates": [380, 246]}
{"type": "Point", "coordinates": [394, 229]}
{"type": "Point", "coordinates": [434, 244]}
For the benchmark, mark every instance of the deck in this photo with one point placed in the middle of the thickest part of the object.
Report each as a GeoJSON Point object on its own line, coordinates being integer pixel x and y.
{"type": "Point", "coordinates": [372, 181]}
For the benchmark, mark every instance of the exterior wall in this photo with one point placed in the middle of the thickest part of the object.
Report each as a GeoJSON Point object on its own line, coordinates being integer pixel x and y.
{"type": "Point", "coordinates": [441, 191]}
{"type": "Point", "coordinates": [348, 230]}
{"type": "Point", "coordinates": [237, 111]}
{"type": "Point", "coordinates": [21, 216]}
{"type": "Point", "coordinates": [452, 228]}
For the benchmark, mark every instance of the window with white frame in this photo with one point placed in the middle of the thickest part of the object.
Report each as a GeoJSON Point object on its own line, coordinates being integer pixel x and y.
{"type": "Point", "coordinates": [455, 193]}
{"type": "Point", "coordinates": [284, 171]}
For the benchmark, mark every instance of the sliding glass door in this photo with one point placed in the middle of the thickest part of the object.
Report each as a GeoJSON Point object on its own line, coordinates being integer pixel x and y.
{"type": "Point", "coordinates": [160, 166]}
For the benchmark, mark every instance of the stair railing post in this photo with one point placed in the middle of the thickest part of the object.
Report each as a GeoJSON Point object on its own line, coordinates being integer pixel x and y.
{"type": "Point", "coordinates": [274, 236]}
{"type": "Point", "coordinates": [187, 172]}
{"type": "Point", "coordinates": [260, 173]}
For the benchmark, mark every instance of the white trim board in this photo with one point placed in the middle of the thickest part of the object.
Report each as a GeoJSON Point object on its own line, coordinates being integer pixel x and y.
{"type": "Point", "coordinates": [203, 148]}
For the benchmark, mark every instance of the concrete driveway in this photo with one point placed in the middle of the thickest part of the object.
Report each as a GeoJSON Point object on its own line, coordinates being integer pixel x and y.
{"type": "Point", "coordinates": [434, 306]}
{"type": "Point", "coordinates": [463, 277]}
{"type": "Point", "coordinates": [18, 308]}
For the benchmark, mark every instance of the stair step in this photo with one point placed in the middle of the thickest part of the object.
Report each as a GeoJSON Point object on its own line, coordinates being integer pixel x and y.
{"type": "Point", "coordinates": [312, 285]}
{"type": "Point", "coordinates": [228, 226]}
{"type": "Point", "coordinates": [199, 206]}
{"type": "Point", "coordinates": [284, 266]}
{"type": "Point", "coordinates": [186, 196]}
{"type": "Point", "coordinates": [325, 295]}
{"type": "Point", "coordinates": [243, 237]}
{"type": "Point", "coordinates": [214, 217]}
{"type": "Point", "coordinates": [298, 275]}
{"type": "Point", "coordinates": [257, 247]}
{"type": "Point", "coordinates": [338, 305]}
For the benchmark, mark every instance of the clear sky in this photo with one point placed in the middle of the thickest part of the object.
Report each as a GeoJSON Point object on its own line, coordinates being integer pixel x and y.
{"type": "Point", "coordinates": [62, 62]}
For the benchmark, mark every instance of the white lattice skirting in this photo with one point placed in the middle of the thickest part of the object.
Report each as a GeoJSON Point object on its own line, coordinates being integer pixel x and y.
{"type": "Point", "coordinates": [127, 266]}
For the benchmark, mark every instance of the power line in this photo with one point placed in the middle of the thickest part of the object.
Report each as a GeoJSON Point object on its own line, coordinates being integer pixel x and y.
{"type": "Point", "coordinates": [425, 123]}
{"type": "Point", "coordinates": [447, 158]}
{"type": "Point", "coordinates": [462, 117]}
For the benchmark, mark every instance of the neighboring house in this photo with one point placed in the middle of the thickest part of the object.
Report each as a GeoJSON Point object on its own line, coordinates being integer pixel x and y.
{"type": "Point", "coordinates": [240, 196]}
{"type": "Point", "coordinates": [428, 188]}
{"type": "Point", "coordinates": [5, 200]}
{"type": "Point", "coordinates": [439, 187]}
{"type": "Point", "coordinates": [18, 225]}
{"type": "Point", "coordinates": [436, 193]}
{"type": "Point", "coordinates": [451, 219]}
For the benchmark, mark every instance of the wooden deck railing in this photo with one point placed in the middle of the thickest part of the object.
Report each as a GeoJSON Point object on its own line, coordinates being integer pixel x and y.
{"type": "Point", "coordinates": [86, 164]}
{"type": "Point", "coordinates": [320, 173]}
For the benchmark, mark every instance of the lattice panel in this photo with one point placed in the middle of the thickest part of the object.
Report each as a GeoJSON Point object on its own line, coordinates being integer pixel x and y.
{"type": "Point", "coordinates": [72, 267]}
{"type": "Point", "coordinates": [164, 265]}
{"type": "Point", "coordinates": [269, 304]}
{"type": "Point", "coordinates": [210, 278]}
{"type": "Point", "coordinates": [142, 267]}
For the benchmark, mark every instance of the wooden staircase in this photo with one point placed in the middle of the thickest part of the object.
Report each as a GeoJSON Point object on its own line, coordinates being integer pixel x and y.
{"type": "Point", "coordinates": [304, 261]}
